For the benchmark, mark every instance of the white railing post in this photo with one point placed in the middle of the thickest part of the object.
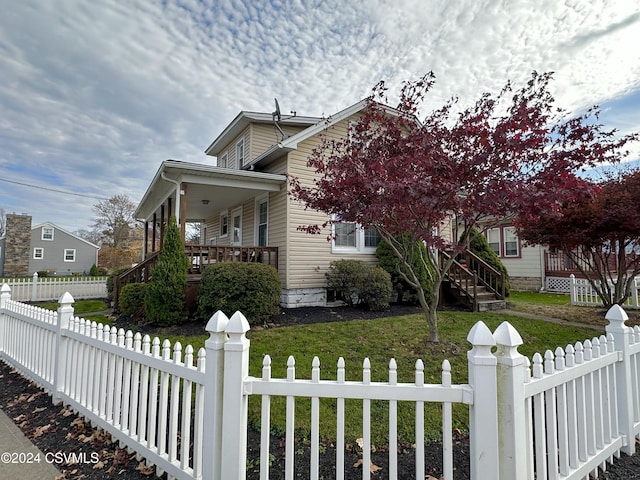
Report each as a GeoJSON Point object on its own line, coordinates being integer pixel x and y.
{"type": "Point", "coordinates": [65, 315]}
{"type": "Point", "coordinates": [212, 416]}
{"type": "Point", "coordinates": [634, 293]}
{"type": "Point", "coordinates": [512, 428]}
{"type": "Point", "coordinates": [5, 296]}
{"type": "Point", "coordinates": [622, 340]}
{"type": "Point", "coordinates": [572, 289]}
{"type": "Point", "coordinates": [235, 402]}
{"type": "Point", "coordinates": [483, 414]}
{"type": "Point", "coordinates": [34, 287]}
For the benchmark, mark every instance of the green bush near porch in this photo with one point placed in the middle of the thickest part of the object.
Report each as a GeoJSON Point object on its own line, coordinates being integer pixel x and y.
{"type": "Point", "coordinates": [252, 288]}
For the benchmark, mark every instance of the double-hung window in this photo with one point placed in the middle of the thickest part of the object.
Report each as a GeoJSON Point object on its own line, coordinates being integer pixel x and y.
{"type": "Point", "coordinates": [69, 254]}
{"type": "Point", "coordinates": [38, 253]}
{"type": "Point", "coordinates": [349, 237]}
{"type": "Point", "coordinates": [222, 161]}
{"type": "Point", "coordinates": [262, 221]}
{"type": "Point", "coordinates": [224, 224]}
{"type": "Point", "coordinates": [504, 241]}
{"type": "Point", "coordinates": [47, 233]}
{"type": "Point", "coordinates": [240, 153]}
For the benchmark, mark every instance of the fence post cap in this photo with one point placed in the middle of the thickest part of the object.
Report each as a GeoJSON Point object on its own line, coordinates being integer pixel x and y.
{"type": "Point", "coordinates": [616, 315]}
{"type": "Point", "coordinates": [217, 323]}
{"type": "Point", "coordinates": [238, 324]}
{"type": "Point", "coordinates": [66, 299]}
{"type": "Point", "coordinates": [507, 335]}
{"type": "Point", "coordinates": [5, 288]}
{"type": "Point", "coordinates": [480, 335]}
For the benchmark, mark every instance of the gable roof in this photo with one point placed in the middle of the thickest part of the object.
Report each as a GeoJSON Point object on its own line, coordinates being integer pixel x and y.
{"type": "Point", "coordinates": [244, 119]}
{"type": "Point", "coordinates": [291, 143]}
{"type": "Point", "coordinates": [49, 224]}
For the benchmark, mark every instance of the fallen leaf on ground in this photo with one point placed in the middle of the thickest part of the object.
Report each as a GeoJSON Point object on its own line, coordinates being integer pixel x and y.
{"type": "Point", "coordinates": [41, 430]}
{"type": "Point", "coordinates": [373, 468]}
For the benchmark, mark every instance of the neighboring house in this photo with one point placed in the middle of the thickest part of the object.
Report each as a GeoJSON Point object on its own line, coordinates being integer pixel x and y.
{"type": "Point", "coordinates": [242, 200]}
{"type": "Point", "coordinates": [45, 247]}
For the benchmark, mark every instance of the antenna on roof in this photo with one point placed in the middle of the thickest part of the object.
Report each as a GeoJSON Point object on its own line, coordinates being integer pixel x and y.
{"type": "Point", "coordinates": [277, 117]}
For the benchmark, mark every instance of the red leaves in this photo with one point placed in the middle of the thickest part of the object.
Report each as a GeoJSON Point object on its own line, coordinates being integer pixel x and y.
{"type": "Point", "coordinates": [500, 157]}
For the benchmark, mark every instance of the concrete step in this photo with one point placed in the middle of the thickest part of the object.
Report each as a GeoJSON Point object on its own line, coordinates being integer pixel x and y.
{"type": "Point", "coordinates": [491, 305]}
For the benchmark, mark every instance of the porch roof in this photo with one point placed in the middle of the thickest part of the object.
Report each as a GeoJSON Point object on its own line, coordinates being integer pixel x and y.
{"type": "Point", "coordinates": [208, 188]}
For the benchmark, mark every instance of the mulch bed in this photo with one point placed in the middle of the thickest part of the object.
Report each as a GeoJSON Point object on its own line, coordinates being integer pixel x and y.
{"type": "Point", "coordinates": [56, 428]}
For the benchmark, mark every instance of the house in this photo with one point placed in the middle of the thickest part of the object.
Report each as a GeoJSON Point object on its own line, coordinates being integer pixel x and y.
{"type": "Point", "coordinates": [25, 250]}
{"type": "Point", "coordinates": [242, 202]}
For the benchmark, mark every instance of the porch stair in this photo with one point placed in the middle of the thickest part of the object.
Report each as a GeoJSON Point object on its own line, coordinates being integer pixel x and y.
{"type": "Point", "coordinates": [473, 283]}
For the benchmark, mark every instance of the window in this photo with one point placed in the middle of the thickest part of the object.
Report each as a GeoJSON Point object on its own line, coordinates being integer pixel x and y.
{"type": "Point", "coordinates": [493, 238]}
{"type": "Point", "coordinates": [240, 153]}
{"type": "Point", "coordinates": [236, 221]}
{"type": "Point", "coordinates": [504, 241]}
{"type": "Point", "coordinates": [222, 161]}
{"type": "Point", "coordinates": [262, 219]}
{"type": "Point", "coordinates": [511, 245]}
{"type": "Point", "coordinates": [224, 224]}
{"type": "Point", "coordinates": [69, 254]}
{"type": "Point", "coordinates": [38, 253]}
{"type": "Point", "coordinates": [350, 237]}
{"type": "Point", "coordinates": [47, 233]}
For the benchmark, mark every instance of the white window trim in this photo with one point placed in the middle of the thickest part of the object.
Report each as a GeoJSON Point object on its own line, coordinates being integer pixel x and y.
{"type": "Point", "coordinates": [358, 249]}
{"type": "Point", "coordinates": [222, 215]}
{"type": "Point", "coordinates": [502, 239]}
{"type": "Point", "coordinates": [64, 255]}
{"type": "Point", "coordinates": [37, 250]}
{"type": "Point", "coordinates": [504, 243]}
{"type": "Point", "coordinates": [260, 200]}
{"type": "Point", "coordinates": [235, 213]}
{"type": "Point", "coordinates": [224, 160]}
{"type": "Point", "coordinates": [52, 234]}
{"type": "Point", "coordinates": [240, 160]}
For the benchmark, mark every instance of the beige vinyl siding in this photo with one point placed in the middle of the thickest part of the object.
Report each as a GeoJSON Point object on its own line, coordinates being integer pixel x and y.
{"type": "Point", "coordinates": [529, 264]}
{"type": "Point", "coordinates": [264, 136]}
{"type": "Point", "coordinates": [230, 149]}
{"type": "Point", "coordinates": [309, 256]}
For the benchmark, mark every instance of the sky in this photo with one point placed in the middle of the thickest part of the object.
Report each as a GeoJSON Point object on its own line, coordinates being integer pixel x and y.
{"type": "Point", "coordinates": [94, 95]}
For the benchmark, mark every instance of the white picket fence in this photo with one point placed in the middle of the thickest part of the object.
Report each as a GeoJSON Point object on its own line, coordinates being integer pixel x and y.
{"type": "Point", "coordinates": [582, 293]}
{"type": "Point", "coordinates": [563, 416]}
{"type": "Point", "coordinates": [46, 289]}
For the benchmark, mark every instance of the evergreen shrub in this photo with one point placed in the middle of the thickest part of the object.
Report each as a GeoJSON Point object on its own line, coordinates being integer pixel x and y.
{"type": "Point", "coordinates": [164, 301]}
{"type": "Point", "coordinates": [360, 284]}
{"type": "Point", "coordinates": [251, 288]}
{"type": "Point", "coordinates": [131, 300]}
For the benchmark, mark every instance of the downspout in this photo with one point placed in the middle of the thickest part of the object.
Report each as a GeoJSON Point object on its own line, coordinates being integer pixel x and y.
{"type": "Point", "coordinates": [178, 194]}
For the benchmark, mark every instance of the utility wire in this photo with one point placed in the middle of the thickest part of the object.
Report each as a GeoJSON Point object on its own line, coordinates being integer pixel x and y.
{"type": "Point", "coordinates": [52, 189]}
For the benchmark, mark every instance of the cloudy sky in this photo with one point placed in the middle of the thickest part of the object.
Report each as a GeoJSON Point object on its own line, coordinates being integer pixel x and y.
{"type": "Point", "coordinates": [95, 94]}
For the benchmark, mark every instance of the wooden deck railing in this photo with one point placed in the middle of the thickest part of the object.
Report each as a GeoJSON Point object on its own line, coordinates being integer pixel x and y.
{"type": "Point", "coordinates": [200, 256]}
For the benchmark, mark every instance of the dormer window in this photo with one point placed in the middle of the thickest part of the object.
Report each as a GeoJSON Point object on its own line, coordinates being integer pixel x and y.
{"type": "Point", "coordinates": [47, 233]}
{"type": "Point", "coordinates": [240, 153]}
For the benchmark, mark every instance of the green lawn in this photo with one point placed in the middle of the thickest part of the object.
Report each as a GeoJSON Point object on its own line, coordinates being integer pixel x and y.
{"type": "Point", "coordinates": [402, 338]}
{"type": "Point", "coordinates": [83, 307]}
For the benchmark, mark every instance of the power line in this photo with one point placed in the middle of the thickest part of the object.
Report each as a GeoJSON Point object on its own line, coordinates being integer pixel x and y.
{"type": "Point", "coordinates": [52, 189]}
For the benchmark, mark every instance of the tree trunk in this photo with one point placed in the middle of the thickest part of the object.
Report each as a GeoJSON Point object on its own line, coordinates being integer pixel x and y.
{"type": "Point", "coordinates": [430, 310]}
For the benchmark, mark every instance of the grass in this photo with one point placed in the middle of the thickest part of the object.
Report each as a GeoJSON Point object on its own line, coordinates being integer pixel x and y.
{"type": "Point", "coordinates": [403, 338]}
{"type": "Point", "coordinates": [83, 307]}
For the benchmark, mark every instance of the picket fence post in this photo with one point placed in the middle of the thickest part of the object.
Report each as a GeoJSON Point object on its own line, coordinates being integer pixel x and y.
{"type": "Point", "coordinates": [483, 414]}
{"type": "Point", "coordinates": [213, 387]}
{"type": "Point", "coordinates": [622, 341]}
{"type": "Point", "coordinates": [512, 428]}
{"type": "Point", "coordinates": [5, 296]}
{"type": "Point", "coordinates": [34, 287]}
{"type": "Point", "coordinates": [65, 315]}
{"type": "Point", "coordinates": [634, 293]}
{"type": "Point", "coordinates": [235, 402]}
{"type": "Point", "coordinates": [572, 289]}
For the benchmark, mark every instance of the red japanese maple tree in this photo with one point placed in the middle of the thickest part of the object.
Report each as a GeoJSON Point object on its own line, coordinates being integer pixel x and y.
{"type": "Point", "coordinates": [599, 232]}
{"type": "Point", "coordinates": [506, 154]}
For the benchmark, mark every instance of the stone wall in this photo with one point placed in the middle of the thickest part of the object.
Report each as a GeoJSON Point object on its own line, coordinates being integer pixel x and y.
{"type": "Point", "coordinates": [17, 245]}
{"type": "Point", "coordinates": [533, 284]}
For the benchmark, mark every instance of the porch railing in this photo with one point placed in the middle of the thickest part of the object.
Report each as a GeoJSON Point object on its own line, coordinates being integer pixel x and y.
{"type": "Point", "coordinates": [200, 256]}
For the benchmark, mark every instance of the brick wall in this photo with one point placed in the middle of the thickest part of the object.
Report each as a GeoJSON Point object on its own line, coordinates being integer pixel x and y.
{"type": "Point", "coordinates": [17, 245]}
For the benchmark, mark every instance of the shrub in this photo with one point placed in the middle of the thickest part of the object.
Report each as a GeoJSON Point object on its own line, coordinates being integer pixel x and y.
{"type": "Point", "coordinates": [389, 261]}
{"type": "Point", "coordinates": [164, 300]}
{"type": "Point", "coordinates": [376, 288]}
{"type": "Point", "coordinates": [359, 283]}
{"type": "Point", "coordinates": [111, 280]}
{"type": "Point", "coordinates": [43, 273]}
{"type": "Point", "coordinates": [481, 248]}
{"type": "Point", "coordinates": [94, 271]}
{"type": "Point", "coordinates": [347, 277]}
{"type": "Point", "coordinates": [251, 288]}
{"type": "Point", "coordinates": [131, 299]}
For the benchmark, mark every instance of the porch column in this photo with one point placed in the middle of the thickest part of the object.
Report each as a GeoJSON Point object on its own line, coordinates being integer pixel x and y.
{"type": "Point", "coordinates": [145, 239]}
{"type": "Point", "coordinates": [183, 211]}
{"type": "Point", "coordinates": [153, 233]}
{"type": "Point", "coordinates": [162, 225]}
